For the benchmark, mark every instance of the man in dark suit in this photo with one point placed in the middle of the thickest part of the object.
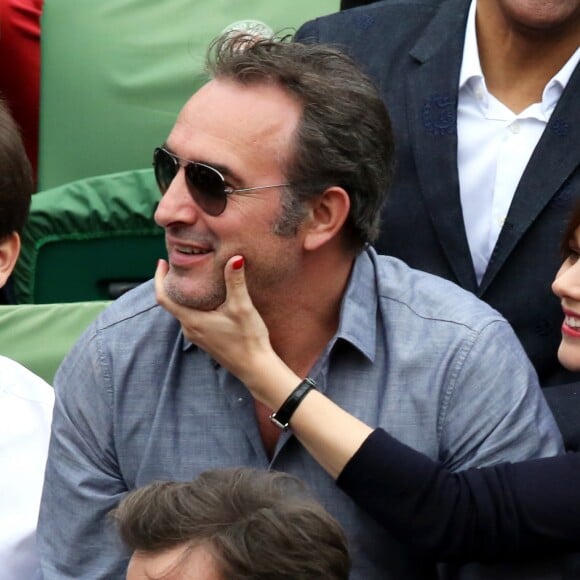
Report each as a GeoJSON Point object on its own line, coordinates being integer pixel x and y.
{"type": "Point", "coordinates": [484, 103]}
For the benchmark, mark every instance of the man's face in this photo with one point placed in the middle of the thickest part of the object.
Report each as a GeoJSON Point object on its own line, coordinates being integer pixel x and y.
{"type": "Point", "coordinates": [542, 16]}
{"type": "Point", "coordinates": [247, 132]}
{"type": "Point", "coordinates": [175, 564]}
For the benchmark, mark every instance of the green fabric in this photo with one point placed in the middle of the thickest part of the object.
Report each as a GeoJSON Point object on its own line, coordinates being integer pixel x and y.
{"type": "Point", "coordinates": [38, 336]}
{"type": "Point", "coordinates": [115, 74]}
{"type": "Point", "coordinates": [83, 238]}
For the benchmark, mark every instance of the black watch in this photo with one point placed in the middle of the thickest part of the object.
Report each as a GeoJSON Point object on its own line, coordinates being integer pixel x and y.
{"type": "Point", "coordinates": [282, 416]}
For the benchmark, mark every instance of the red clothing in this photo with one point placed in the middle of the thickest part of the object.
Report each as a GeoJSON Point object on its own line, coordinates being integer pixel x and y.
{"type": "Point", "coordinates": [20, 67]}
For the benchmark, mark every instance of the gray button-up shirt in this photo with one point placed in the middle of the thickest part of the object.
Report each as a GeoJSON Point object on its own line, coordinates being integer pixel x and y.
{"type": "Point", "coordinates": [413, 353]}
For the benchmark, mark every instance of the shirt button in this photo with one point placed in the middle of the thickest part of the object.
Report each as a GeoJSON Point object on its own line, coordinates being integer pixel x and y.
{"type": "Point", "coordinates": [515, 127]}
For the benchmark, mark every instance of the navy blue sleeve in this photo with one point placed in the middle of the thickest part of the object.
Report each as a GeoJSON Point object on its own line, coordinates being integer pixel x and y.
{"type": "Point", "coordinates": [504, 511]}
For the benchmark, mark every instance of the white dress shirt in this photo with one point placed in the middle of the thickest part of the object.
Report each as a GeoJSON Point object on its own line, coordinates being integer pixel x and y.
{"type": "Point", "coordinates": [25, 414]}
{"type": "Point", "coordinates": [494, 147]}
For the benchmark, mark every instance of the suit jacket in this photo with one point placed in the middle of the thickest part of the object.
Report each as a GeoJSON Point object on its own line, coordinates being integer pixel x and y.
{"type": "Point", "coordinates": [413, 50]}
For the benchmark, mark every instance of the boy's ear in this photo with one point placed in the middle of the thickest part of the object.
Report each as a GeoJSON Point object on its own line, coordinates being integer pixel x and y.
{"type": "Point", "coordinates": [326, 217]}
{"type": "Point", "coordinates": [9, 251]}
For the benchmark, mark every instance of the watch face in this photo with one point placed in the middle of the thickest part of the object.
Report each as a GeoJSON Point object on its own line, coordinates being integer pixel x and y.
{"type": "Point", "coordinates": [255, 28]}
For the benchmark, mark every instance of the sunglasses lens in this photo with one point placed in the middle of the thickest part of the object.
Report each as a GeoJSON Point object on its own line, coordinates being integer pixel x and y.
{"type": "Point", "coordinates": [207, 188]}
{"type": "Point", "coordinates": [165, 169]}
{"type": "Point", "coordinates": [205, 184]}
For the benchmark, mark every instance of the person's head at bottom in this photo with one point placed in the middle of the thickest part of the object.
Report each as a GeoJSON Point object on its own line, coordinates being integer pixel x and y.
{"type": "Point", "coordinates": [231, 524]}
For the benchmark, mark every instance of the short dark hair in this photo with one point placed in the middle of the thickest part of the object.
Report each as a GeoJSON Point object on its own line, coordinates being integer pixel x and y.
{"type": "Point", "coordinates": [344, 136]}
{"type": "Point", "coordinates": [258, 525]}
{"type": "Point", "coordinates": [15, 176]}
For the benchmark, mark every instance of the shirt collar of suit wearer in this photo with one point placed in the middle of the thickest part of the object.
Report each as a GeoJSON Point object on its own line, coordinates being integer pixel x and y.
{"type": "Point", "coordinates": [471, 75]}
{"type": "Point", "coordinates": [470, 64]}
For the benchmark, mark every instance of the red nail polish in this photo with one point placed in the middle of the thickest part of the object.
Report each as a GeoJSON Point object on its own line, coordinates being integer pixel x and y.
{"type": "Point", "coordinates": [238, 263]}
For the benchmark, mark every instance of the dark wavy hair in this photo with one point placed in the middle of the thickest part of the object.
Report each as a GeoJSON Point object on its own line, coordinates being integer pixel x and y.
{"type": "Point", "coordinates": [15, 176]}
{"type": "Point", "coordinates": [344, 137]}
{"type": "Point", "coordinates": [257, 525]}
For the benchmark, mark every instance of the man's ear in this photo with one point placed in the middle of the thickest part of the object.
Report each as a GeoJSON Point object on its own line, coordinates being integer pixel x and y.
{"type": "Point", "coordinates": [326, 217]}
{"type": "Point", "coordinates": [9, 250]}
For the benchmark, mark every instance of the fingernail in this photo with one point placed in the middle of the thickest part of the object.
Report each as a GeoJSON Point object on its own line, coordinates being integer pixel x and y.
{"type": "Point", "coordinates": [237, 264]}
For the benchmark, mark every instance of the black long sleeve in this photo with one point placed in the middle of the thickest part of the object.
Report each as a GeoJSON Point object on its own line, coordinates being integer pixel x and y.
{"type": "Point", "coordinates": [504, 511]}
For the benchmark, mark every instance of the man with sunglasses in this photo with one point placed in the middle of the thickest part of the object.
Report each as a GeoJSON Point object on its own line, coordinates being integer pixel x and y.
{"type": "Point", "coordinates": [281, 161]}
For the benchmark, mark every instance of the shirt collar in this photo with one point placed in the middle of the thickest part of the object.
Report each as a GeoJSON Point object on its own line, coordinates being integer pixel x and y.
{"type": "Point", "coordinates": [471, 74]}
{"type": "Point", "coordinates": [470, 64]}
{"type": "Point", "coordinates": [358, 313]}
{"type": "Point", "coordinates": [555, 87]}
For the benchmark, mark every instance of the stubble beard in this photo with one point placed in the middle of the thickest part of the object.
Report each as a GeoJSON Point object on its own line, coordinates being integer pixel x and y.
{"type": "Point", "coordinates": [214, 293]}
{"type": "Point", "coordinates": [210, 299]}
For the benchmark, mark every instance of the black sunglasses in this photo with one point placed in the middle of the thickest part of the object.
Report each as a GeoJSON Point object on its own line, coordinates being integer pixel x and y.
{"type": "Point", "coordinates": [206, 185]}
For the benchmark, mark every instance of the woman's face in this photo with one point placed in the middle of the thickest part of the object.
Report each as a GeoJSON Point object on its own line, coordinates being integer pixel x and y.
{"type": "Point", "coordinates": [567, 287]}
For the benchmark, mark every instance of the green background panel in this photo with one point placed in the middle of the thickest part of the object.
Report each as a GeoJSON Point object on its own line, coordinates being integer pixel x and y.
{"type": "Point", "coordinates": [38, 336]}
{"type": "Point", "coordinates": [86, 237]}
{"type": "Point", "coordinates": [115, 74]}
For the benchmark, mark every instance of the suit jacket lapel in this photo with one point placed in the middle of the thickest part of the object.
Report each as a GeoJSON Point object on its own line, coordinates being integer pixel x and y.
{"type": "Point", "coordinates": [555, 158]}
{"type": "Point", "coordinates": [432, 117]}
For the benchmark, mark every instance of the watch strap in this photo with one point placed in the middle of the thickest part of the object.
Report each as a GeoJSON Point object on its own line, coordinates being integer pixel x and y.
{"type": "Point", "coordinates": [281, 418]}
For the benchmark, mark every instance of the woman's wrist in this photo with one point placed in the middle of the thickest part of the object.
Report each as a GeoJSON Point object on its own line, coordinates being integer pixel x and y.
{"type": "Point", "coordinates": [271, 381]}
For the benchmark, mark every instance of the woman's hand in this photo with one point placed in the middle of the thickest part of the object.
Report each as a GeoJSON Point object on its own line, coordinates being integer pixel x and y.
{"type": "Point", "coordinates": [234, 334]}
